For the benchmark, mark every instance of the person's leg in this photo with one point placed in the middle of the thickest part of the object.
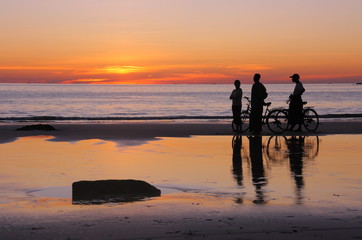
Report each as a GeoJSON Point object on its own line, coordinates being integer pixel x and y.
{"type": "Point", "coordinates": [252, 120]}
{"type": "Point", "coordinates": [299, 115]}
{"type": "Point", "coordinates": [259, 117]}
{"type": "Point", "coordinates": [238, 113]}
{"type": "Point", "coordinates": [299, 119]}
{"type": "Point", "coordinates": [256, 119]}
{"type": "Point", "coordinates": [236, 116]}
{"type": "Point", "coordinates": [292, 115]}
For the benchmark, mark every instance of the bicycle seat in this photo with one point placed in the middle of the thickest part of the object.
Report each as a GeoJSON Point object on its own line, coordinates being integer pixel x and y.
{"type": "Point", "coordinates": [304, 103]}
{"type": "Point", "coordinates": [267, 104]}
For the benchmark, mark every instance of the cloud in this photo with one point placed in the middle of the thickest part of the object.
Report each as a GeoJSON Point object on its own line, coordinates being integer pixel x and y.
{"type": "Point", "coordinates": [162, 73]}
{"type": "Point", "coordinates": [85, 80]}
{"type": "Point", "coordinates": [32, 68]}
{"type": "Point", "coordinates": [248, 67]}
{"type": "Point", "coordinates": [119, 69]}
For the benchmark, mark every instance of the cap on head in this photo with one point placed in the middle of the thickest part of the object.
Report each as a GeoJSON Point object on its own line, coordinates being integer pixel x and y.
{"type": "Point", "coordinates": [295, 76]}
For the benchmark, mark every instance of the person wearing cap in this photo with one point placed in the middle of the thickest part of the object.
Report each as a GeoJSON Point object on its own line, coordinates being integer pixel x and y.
{"type": "Point", "coordinates": [258, 94]}
{"type": "Point", "coordinates": [295, 112]}
{"type": "Point", "coordinates": [236, 97]}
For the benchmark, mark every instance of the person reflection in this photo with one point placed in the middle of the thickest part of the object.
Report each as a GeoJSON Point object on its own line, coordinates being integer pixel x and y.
{"type": "Point", "coordinates": [257, 167]}
{"type": "Point", "coordinates": [295, 146]}
{"type": "Point", "coordinates": [237, 161]}
{"type": "Point", "coordinates": [237, 169]}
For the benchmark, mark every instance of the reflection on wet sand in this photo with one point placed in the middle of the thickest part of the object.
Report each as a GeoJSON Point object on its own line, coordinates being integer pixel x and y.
{"type": "Point", "coordinates": [278, 170]}
{"type": "Point", "coordinates": [296, 152]}
{"type": "Point", "coordinates": [237, 160]}
{"type": "Point", "coordinates": [257, 167]}
{"type": "Point", "coordinates": [237, 163]}
{"type": "Point", "coordinates": [203, 181]}
{"type": "Point", "coordinates": [292, 150]}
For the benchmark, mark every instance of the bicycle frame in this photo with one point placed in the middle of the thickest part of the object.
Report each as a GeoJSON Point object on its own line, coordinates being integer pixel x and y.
{"type": "Point", "coordinates": [245, 115]}
{"type": "Point", "coordinates": [277, 119]}
{"type": "Point", "coordinates": [248, 109]}
{"type": "Point", "coordinates": [310, 118]}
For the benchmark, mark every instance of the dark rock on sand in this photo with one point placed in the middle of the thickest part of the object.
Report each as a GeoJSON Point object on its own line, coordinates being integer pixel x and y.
{"type": "Point", "coordinates": [43, 127]}
{"type": "Point", "coordinates": [102, 191]}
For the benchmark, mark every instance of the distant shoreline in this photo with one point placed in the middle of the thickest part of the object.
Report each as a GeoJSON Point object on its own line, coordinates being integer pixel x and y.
{"type": "Point", "coordinates": [127, 84]}
{"type": "Point", "coordinates": [149, 118]}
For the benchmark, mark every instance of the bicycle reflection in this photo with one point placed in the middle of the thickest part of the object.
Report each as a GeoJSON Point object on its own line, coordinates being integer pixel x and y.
{"type": "Point", "coordinates": [294, 151]}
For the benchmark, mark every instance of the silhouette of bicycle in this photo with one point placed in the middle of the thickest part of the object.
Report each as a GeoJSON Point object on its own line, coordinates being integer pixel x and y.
{"type": "Point", "coordinates": [278, 119]}
{"type": "Point", "coordinates": [277, 147]}
{"type": "Point", "coordinates": [245, 117]}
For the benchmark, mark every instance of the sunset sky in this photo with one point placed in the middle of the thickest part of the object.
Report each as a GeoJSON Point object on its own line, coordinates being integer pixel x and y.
{"type": "Point", "coordinates": [179, 41]}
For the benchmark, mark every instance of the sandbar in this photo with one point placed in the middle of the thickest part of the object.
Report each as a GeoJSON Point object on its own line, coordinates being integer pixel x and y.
{"type": "Point", "coordinates": [151, 130]}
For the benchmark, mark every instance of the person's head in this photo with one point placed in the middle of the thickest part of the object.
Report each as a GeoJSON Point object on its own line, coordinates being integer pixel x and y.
{"type": "Point", "coordinates": [237, 83]}
{"type": "Point", "coordinates": [295, 77]}
{"type": "Point", "coordinates": [257, 77]}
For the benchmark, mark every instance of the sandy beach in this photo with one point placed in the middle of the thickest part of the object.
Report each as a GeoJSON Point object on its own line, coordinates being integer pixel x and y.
{"type": "Point", "coordinates": [129, 120]}
{"type": "Point", "coordinates": [151, 130]}
{"type": "Point", "coordinates": [201, 207]}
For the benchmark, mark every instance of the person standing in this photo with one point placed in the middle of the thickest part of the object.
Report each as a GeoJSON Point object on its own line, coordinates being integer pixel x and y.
{"type": "Point", "coordinates": [236, 96]}
{"type": "Point", "coordinates": [295, 111]}
{"type": "Point", "coordinates": [258, 94]}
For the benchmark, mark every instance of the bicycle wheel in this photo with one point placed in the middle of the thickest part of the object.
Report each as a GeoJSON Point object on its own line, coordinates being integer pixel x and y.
{"type": "Point", "coordinates": [311, 147]}
{"type": "Point", "coordinates": [310, 120]}
{"type": "Point", "coordinates": [277, 149]}
{"type": "Point", "coordinates": [277, 121]}
{"type": "Point", "coordinates": [236, 142]}
{"type": "Point", "coordinates": [244, 126]}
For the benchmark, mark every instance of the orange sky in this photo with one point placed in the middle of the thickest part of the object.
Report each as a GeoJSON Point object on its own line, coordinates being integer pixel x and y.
{"type": "Point", "coordinates": [188, 41]}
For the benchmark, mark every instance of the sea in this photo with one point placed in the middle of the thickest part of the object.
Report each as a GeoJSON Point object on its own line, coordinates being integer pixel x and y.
{"type": "Point", "coordinates": [207, 102]}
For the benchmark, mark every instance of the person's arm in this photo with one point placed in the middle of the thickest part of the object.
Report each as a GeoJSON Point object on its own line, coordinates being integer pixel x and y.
{"type": "Point", "coordinates": [239, 93]}
{"type": "Point", "coordinates": [232, 94]}
{"type": "Point", "coordinates": [265, 94]}
{"type": "Point", "coordinates": [302, 91]}
{"type": "Point", "coordinates": [299, 90]}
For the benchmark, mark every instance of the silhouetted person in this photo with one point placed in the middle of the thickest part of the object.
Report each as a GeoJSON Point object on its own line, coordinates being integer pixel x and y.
{"type": "Point", "coordinates": [296, 152]}
{"type": "Point", "coordinates": [296, 104]}
{"type": "Point", "coordinates": [257, 167]}
{"type": "Point", "coordinates": [237, 161]}
{"type": "Point", "coordinates": [258, 94]}
{"type": "Point", "coordinates": [236, 96]}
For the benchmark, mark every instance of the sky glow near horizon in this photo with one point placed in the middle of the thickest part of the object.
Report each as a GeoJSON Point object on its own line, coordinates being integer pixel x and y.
{"type": "Point", "coordinates": [172, 41]}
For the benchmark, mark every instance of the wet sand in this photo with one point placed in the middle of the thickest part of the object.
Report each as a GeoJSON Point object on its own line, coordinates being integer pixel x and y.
{"type": "Point", "coordinates": [329, 212]}
{"type": "Point", "coordinates": [151, 130]}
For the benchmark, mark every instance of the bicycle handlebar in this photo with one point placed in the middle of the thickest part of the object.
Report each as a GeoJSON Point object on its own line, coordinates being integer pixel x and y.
{"type": "Point", "coordinates": [265, 104]}
{"type": "Point", "coordinates": [288, 101]}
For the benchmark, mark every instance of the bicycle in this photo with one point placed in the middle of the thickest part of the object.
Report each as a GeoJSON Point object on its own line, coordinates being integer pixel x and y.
{"type": "Point", "coordinates": [278, 119]}
{"type": "Point", "coordinates": [245, 115]}
{"type": "Point", "coordinates": [277, 147]}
